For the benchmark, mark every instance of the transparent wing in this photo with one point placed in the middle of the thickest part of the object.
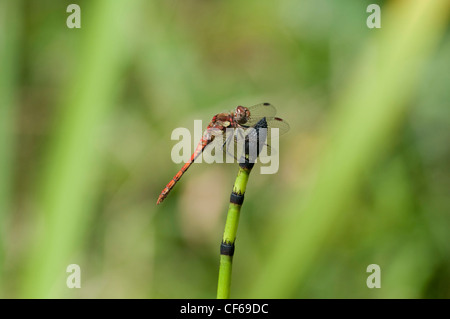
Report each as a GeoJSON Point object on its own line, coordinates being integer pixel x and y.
{"type": "Point", "coordinates": [213, 152]}
{"type": "Point", "coordinates": [270, 144]}
{"type": "Point", "coordinates": [275, 126]}
{"type": "Point", "coordinates": [230, 147]}
{"type": "Point", "coordinates": [234, 145]}
{"type": "Point", "coordinates": [259, 111]}
{"type": "Point", "coordinates": [277, 123]}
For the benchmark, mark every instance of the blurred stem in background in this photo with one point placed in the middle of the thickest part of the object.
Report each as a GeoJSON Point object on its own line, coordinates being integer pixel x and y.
{"type": "Point", "coordinates": [10, 30]}
{"type": "Point", "coordinates": [68, 185]}
{"type": "Point", "coordinates": [364, 121]}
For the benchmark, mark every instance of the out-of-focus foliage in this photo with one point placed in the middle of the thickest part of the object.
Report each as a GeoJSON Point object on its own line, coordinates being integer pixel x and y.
{"type": "Point", "coordinates": [86, 117]}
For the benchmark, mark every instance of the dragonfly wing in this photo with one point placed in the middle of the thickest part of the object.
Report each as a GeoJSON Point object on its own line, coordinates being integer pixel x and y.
{"type": "Point", "coordinates": [214, 151]}
{"type": "Point", "coordinates": [277, 123]}
{"type": "Point", "coordinates": [248, 143]}
{"type": "Point", "coordinates": [258, 111]}
{"type": "Point", "coordinates": [280, 125]}
{"type": "Point", "coordinates": [275, 128]}
{"type": "Point", "coordinates": [229, 146]}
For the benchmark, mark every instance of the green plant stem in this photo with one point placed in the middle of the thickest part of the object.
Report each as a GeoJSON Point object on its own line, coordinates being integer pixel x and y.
{"type": "Point", "coordinates": [68, 184]}
{"type": "Point", "coordinates": [10, 31]}
{"type": "Point", "coordinates": [229, 235]}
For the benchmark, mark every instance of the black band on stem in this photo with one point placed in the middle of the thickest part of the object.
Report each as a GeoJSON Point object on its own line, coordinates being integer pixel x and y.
{"type": "Point", "coordinates": [246, 165]}
{"type": "Point", "coordinates": [227, 249]}
{"type": "Point", "coordinates": [237, 199]}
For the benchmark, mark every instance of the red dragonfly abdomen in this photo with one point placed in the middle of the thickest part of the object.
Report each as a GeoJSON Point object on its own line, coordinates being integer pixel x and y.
{"type": "Point", "coordinates": [200, 147]}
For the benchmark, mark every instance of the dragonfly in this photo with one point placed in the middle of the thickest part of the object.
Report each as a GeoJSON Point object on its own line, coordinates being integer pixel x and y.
{"type": "Point", "coordinates": [240, 119]}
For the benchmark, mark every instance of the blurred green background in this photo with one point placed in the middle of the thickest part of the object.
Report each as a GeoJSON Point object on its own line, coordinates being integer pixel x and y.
{"type": "Point", "coordinates": [86, 117]}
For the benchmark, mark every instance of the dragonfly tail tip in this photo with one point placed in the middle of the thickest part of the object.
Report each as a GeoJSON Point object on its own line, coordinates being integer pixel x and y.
{"type": "Point", "coordinates": [160, 199]}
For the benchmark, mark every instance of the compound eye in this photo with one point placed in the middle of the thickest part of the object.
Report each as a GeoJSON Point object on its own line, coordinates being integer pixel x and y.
{"type": "Point", "coordinates": [242, 114]}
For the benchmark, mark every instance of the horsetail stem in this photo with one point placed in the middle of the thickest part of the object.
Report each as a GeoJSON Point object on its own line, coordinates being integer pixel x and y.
{"type": "Point", "coordinates": [227, 246]}
{"type": "Point", "coordinates": [229, 235]}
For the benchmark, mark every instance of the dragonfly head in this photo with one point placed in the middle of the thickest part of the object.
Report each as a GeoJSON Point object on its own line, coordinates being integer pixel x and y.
{"type": "Point", "coordinates": [241, 115]}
